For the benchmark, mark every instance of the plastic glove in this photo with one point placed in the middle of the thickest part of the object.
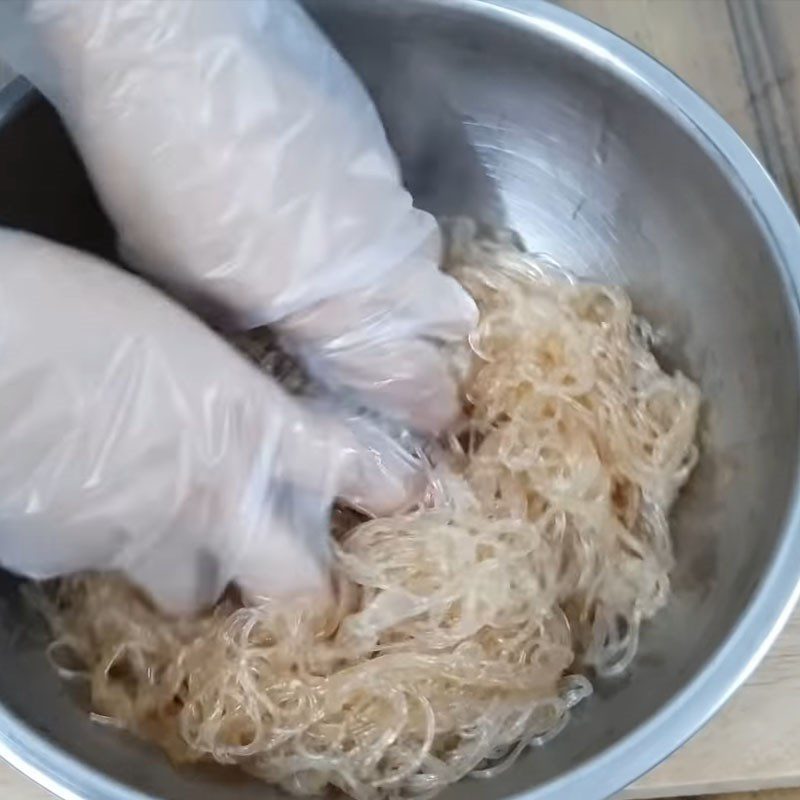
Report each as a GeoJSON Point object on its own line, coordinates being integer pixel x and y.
{"type": "Point", "coordinates": [245, 166]}
{"type": "Point", "coordinates": [135, 439]}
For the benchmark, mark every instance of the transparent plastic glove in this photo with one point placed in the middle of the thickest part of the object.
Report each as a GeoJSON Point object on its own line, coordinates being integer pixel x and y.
{"type": "Point", "coordinates": [245, 167]}
{"type": "Point", "coordinates": [135, 439]}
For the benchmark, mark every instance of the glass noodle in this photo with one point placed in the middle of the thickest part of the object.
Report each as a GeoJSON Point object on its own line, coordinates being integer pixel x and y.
{"type": "Point", "coordinates": [463, 632]}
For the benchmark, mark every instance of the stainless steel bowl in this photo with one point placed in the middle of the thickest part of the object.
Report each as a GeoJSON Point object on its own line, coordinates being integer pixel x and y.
{"type": "Point", "coordinates": [522, 114]}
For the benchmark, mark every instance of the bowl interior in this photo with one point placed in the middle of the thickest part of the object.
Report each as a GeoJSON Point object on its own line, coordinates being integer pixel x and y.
{"type": "Point", "coordinates": [514, 126]}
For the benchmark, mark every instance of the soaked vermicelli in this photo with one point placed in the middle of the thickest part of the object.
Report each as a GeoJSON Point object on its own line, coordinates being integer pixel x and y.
{"type": "Point", "coordinates": [463, 632]}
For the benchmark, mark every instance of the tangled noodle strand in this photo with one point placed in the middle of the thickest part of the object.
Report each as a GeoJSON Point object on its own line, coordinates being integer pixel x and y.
{"type": "Point", "coordinates": [460, 631]}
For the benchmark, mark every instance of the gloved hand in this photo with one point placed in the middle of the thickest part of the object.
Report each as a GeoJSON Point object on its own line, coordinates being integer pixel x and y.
{"type": "Point", "coordinates": [246, 168]}
{"type": "Point", "coordinates": [136, 439]}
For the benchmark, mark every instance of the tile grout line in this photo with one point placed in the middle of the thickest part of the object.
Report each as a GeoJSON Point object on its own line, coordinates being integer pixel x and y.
{"type": "Point", "coordinates": [787, 130]}
{"type": "Point", "coordinates": [774, 126]}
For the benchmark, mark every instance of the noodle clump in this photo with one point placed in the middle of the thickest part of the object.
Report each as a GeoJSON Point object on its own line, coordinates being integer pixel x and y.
{"type": "Point", "coordinates": [462, 632]}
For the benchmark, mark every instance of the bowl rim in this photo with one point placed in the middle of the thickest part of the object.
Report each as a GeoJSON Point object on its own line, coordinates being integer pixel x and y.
{"type": "Point", "coordinates": [768, 610]}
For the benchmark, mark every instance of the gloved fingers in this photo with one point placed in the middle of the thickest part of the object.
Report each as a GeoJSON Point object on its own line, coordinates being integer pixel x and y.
{"type": "Point", "coordinates": [180, 572]}
{"type": "Point", "coordinates": [141, 442]}
{"type": "Point", "coordinates": [240, 159]}
{"type": "Point", "coordinates": [349, 458]}
{"type": "Point", "coordinates": [382, 345]}
{"type": "Point", "coordinates": [428, 304]}
{"type": "Point", "coordinates": [408, 380]}
{"type": "Point", "coordinates": [422, 303]}
{"type": "Point", "coordinates": [377, 474]}
{"type": "Point", "coordinates": [323, 456]}
{"type": "Point", "coordinates": [290, 554]}
{"type": "Point", "coordinates": [206, 128]}
{"type": "Point", "coordinates": [281, 550]}
{"type": "Point", "coordinates": [274, 541]}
